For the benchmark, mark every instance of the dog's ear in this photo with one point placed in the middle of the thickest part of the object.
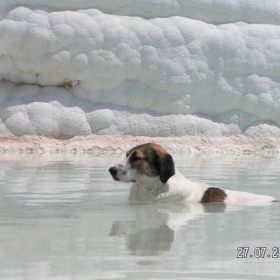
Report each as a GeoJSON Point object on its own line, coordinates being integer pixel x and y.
{"type": "Point", "coordinates": [165, 166]}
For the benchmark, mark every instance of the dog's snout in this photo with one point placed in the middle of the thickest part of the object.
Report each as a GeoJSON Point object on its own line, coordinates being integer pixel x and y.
{"type": "Point", "coordinates": [113, 171]}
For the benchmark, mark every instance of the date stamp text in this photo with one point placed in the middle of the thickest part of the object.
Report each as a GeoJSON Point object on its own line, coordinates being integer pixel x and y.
{"type": "Point", "coordinates": [258, 252]}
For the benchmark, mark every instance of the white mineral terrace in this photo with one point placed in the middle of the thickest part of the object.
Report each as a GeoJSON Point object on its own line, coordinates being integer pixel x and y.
{"type": "Point", "coordinates": [186, 71]}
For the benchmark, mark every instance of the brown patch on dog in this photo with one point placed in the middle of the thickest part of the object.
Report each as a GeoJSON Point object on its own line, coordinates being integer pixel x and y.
{"type": "Point", "coordinates": [146, 169]}
{"type": "Point", "coordinates": [152, 160]}
{"type": "Point", "coordinates": [142, 159]}
{"type": "Point", "coordinates": [213, 195]}
{"type": "Point", "coordinates": [145, 149]}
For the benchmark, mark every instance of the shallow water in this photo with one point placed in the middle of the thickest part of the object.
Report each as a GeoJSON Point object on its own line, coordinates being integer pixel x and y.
{"type": "Point", "coordinates": [70, 220]}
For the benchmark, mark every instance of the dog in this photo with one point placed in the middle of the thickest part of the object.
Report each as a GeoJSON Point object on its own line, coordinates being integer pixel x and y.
{"type": "Point", "coordinates": [155, 178]}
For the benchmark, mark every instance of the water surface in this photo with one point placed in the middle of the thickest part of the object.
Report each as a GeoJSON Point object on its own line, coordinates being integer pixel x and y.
{"type": "Point", "coordinates": [70, 220]}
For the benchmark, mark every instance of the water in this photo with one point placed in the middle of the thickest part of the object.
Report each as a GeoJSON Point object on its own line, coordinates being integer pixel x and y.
{"type": "Point", "coordinates": [70, 220]}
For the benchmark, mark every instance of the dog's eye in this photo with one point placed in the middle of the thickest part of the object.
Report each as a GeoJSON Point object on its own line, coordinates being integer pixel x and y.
{"type": "Point", "coordinates": [135, 157]}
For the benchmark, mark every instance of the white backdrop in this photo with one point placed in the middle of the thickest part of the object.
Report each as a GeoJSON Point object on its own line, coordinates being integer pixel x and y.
{"type": "Point", "coordinates": [147, 68]}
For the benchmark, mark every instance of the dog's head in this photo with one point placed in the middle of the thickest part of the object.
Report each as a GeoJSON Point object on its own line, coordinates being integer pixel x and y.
{"type": "Point", "coordinates": [147, 160]}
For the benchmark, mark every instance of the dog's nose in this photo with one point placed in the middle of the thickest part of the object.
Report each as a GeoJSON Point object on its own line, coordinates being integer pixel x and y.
{"type": "Point", "coordinates": [113, 171]}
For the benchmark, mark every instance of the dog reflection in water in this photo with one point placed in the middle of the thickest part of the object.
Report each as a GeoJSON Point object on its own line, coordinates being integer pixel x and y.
{"type": "Point", "coordinates": [153, 228]}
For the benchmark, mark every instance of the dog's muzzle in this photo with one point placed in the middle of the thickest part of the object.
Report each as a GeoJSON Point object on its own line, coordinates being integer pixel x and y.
{"type": "Point", "coordinates": [114, 172]}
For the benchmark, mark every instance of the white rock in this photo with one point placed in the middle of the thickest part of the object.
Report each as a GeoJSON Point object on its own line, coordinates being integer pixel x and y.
{"type": "Point", "coordinates": [100, 119]}
{"type": "Point", "coordinates": [151, 68]}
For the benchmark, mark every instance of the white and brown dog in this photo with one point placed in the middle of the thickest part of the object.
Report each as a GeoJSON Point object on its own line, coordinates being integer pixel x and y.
{"type": "Point", "coordinates": [154, 177]}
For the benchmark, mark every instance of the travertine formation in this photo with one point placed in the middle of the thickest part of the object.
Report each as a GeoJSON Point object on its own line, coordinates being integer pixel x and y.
{"type": "Point", "coordinates": [140, 68]}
